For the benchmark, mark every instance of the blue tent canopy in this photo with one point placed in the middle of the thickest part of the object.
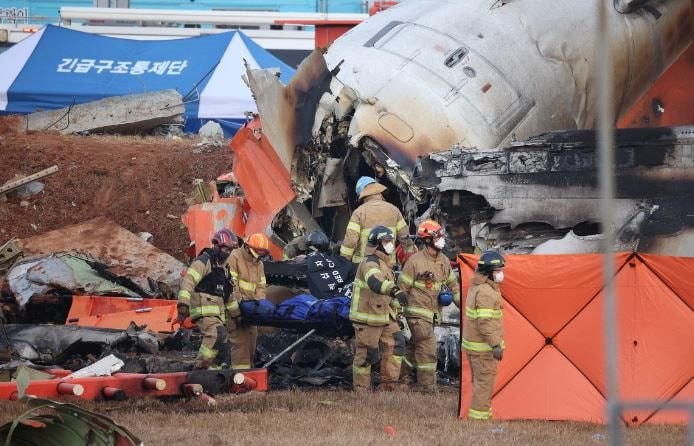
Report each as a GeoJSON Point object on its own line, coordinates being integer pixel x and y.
{"type": "Point", "coordinates": [57, 67]}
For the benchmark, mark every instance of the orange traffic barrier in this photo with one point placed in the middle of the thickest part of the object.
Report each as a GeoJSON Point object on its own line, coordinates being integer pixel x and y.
{"type": "Point", "coordinates": [192, 389]}
{"type": "Point", "coordinates": [113, 393]}
{"type": "Point", "coordinates": [70, 389]}
{"type": "Point", "coordinates": [242, 380]}
{"type": "Point", "coordinates": [154, 383]}
{"type": "Point", "coordinates": [554, 366]}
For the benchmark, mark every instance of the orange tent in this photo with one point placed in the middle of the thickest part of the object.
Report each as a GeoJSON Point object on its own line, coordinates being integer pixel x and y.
{"type": "Point", "coordinates": [554, 365]}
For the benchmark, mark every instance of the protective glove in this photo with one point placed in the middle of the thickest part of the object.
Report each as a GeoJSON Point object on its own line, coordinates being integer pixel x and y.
{"type": "Point", "coordinates": [498, 352]}
{"type": "Point", "coordinates": [183, 312]}
{"type": "Point", "coordinates": [400, 295]}
{"type": "Point", "coordinates": [395, 305]}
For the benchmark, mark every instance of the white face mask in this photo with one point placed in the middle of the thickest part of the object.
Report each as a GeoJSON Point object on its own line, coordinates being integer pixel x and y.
{"type": "Point", "coordinates": [498, 276]}
{"type": "Point", "coordinates": [389, 247]}
{"type": "Point", "coordinates": [440, 243]}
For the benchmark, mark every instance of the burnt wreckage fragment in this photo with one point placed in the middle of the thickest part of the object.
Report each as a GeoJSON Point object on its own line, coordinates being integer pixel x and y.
{"type": "Point", "coordinates": [542, 196]}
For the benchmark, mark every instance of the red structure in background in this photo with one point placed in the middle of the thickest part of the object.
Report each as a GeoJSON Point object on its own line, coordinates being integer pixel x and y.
{"type": "Point", "coordinates": [328, 30]}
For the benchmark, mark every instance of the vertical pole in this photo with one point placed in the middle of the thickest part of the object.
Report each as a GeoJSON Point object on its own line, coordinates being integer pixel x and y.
{"type": "Point", "coordinates": [607, 189]}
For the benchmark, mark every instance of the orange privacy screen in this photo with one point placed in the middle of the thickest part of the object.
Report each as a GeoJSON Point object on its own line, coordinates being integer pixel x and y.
{"type": "Point", "coordinates": [554, 366]}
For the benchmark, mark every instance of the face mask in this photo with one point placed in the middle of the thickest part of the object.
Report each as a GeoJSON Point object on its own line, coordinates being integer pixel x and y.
{"type": "Point", "coordinates": [439, 243]}
{"type": "Point", "coordinates": [221, 254]}
{"type": "Point", "coordinates": [498, 276]}
{"type": "Point", "coordinates": [389, 248]}
{"type": "Point", "coordinates": [253, 253]}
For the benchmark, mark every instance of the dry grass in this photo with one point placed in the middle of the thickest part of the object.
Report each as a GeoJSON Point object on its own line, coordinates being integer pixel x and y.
{"type": "Point", "coordinates": [343, 418]}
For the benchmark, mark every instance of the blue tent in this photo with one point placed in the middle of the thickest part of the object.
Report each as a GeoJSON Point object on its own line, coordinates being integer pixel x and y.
{"type": "Point", "coordinates": [57, 67]}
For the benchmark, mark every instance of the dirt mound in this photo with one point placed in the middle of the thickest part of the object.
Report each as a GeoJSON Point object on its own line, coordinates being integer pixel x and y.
{"type": "Point", "coordinates": [138, 182]}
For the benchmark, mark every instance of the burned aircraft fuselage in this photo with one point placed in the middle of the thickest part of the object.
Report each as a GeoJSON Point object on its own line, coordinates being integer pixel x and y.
{"type": "Point", "coordinates": [521, 197]}
{"type": "Point", "coordinates": [425, 76]}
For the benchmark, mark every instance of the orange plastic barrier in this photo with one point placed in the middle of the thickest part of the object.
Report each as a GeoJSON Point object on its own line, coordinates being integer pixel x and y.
{"type": "Point", "coordinates": [118, 312]}
{"type": "Point", "coordinates": [554, 366]}
{"type": "Point", "coordinates": [126, 385]}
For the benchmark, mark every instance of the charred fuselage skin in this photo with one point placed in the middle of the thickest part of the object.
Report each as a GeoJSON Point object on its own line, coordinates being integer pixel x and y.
{"type": "Point", "coordinates": [547, 186]}
{"type": "Point", "coordinates": [425, 76]}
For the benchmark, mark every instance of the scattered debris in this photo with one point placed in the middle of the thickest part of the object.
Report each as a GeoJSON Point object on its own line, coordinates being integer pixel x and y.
{"type": "Point", "coordinates": [122, 114]}
{"type": "Point", "coordinates": [31, 186]}
{"type": "Point", "coordinates": [146, 236]}
{"type": "Point", "coordinates": [212, 131]}
{"type": "Point", "coordinates": [67, 425]}
{"type": "Point", "coordinates": [103, 367]}
{"type": "Point", "coordinates": [123, 252]}
{"type": "Point", "coordinates": [66, 272]}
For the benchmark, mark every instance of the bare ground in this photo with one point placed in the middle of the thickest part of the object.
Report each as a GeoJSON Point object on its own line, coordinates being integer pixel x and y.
{"type": "Point", "coordinates": [138, 182]}
{"type": "Point", "coordinates": [344, 418]}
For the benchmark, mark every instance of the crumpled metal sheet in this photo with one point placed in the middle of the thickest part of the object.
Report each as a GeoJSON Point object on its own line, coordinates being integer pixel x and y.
{"type": "Point", "coordinates": [540, 189]}
{"type": "Point", "coordinates": [125, 253]}
{"type": "Point", "coordinates": [56, 344]}
{"type": "Point", "coordinates": [66, 424]}
{"type": "Point", "coordinates": [62, 271]}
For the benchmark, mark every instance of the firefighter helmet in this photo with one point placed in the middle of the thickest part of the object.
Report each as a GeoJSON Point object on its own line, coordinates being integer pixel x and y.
{"type": "Point", "coordinates": [362, 183]}
{"type": "Point", "coordinates": [429, 228]}
{"type": "Point", "coordinates": [490, 261]}
{"type": "Point", "coordinates": [259, 243]}
{"type": "Point", "coordinates": [225, 238]}
{"type": "Point", "coordinates": [379, 233]}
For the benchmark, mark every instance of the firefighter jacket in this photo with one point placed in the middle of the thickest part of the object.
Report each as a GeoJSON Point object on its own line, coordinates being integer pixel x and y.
{"type": "Point", "coordinates": [248, 277]}
{"type": "Point", "coordinates": [374, 211]}
{"type": "Point", "coordinates": [371, 294]}
{"type": "Point", "coordinates": [422, 278]}
{"type": "Point", "coordinates": [206, 287]}
{"type": "Point", "coordinates": [483, 327]}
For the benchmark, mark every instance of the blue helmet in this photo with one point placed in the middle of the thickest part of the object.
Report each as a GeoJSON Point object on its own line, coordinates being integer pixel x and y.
{"type": "Point", "coordinates": [362, 183]}
{"type": "Point", "coordinates": [446, 297]}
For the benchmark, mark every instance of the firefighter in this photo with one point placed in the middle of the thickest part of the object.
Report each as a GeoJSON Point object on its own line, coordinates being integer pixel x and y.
{"type": "Point", "coordinates": [314, 241]}
{"type": "Point", "coordinates": [373, 318]}
{"type": "Point", "coordinates": [248, 277]}
{"type": "Point", "coordinates": [373, 211]}
{"type": "Point", "coordinates": [205, 292]}
{"type": "Point", "coordinates": [483, 331]}
{"type": "Point", "coordinates": [430, 283]}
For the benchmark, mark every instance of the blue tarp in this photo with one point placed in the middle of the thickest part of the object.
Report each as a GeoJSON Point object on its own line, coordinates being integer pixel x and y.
{"type": "Point", "coordinates": [57, 67]}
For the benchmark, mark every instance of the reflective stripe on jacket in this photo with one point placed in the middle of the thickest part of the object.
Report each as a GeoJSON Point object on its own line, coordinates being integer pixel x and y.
{"type": "Point", "coordinates": [371, 294]}
{"type": "Point", "coordinates": [248, 278]}
{"type": "Point", "coordinates": [200, 303]}
{"type": "Point", "coordinates": [483, 327]}
{"type": "Point", "coordinates": [423, 294]}
{"type": "Point", "coordinates": [373, 212]}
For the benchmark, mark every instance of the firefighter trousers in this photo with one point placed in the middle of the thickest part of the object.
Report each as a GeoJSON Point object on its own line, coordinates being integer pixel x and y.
{"type": "Point", "coordinates": [213, 340]}
{"type": "Point", "coordinates": [243, 338]}
{"type": "Point", "coordinates": [420, 356]}
{"type": "Point", "coordinates": [483, 367]}
{"type": "Point", "coordinates": [384, 344]}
